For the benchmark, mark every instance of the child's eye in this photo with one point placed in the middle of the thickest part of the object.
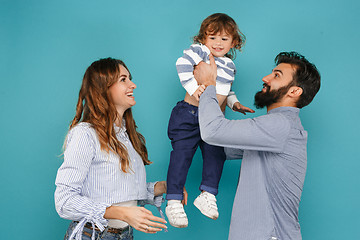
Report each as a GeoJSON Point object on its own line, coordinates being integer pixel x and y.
{"type": "Point", "coordinates": [225, 39]}
{"type": "Point", "coordinates": [212, 38]}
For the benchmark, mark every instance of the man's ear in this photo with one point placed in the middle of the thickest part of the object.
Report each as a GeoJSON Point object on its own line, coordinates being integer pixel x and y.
{"type": "Point", "coordinates": [295, 92]}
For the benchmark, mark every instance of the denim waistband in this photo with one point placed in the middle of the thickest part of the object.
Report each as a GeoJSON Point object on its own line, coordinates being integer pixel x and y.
{"type": "Point", "coordinates": [108, 229]}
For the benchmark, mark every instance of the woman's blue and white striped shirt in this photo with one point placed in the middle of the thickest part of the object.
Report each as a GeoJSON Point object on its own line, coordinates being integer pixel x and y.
{"type": "Point", "coordinates": [90, 180]}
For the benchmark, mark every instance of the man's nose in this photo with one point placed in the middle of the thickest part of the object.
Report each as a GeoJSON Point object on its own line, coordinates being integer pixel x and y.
{"type": "Point", "coordinates": [267, 78]}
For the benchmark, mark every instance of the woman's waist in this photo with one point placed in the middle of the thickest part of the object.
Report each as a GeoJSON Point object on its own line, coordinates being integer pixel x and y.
{"type": "Point", "coordinates": [119, 194]}
{"type": "Point", "coordinates": [115, 223]}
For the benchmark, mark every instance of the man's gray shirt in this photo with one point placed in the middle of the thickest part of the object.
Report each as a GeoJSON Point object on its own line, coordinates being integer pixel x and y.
{"type": "Point", "coordinates": [273, 152]}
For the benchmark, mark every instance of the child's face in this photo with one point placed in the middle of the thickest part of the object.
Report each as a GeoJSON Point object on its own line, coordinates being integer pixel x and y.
{"type": "Point", "coordinates": [219, 44]}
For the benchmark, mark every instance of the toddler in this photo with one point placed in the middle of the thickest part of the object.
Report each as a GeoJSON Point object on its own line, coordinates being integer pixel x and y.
{"type": "Point", "coordinates": [220, 36]}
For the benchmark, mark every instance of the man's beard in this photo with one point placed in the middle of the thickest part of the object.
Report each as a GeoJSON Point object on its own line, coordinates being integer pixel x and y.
{"type": "Point", "coordinates": [265, 99]}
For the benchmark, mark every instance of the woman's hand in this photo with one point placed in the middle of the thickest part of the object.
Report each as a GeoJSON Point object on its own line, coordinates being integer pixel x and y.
{"type": "Point", "coordinates": [160, 188]}
{"type": "Point", "coordinates": [184, 201]}
{"type": "Point", "coordinates": [138, 217]}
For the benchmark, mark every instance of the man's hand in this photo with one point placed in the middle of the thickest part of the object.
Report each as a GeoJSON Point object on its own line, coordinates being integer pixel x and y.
{"type": "Point", "coordinates": [241, 108]}
{"type": "Point", "coordinates": [205, 74]}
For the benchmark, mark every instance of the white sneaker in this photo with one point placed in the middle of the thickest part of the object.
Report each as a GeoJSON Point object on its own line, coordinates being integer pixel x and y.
{"type": "Point", "coordinates": [176, 214]}
{"type": "Point", "coordinates": [206, 203]}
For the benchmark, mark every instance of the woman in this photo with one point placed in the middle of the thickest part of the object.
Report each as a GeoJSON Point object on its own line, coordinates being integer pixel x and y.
{"type": "Point", "coordinates": [103, 175]}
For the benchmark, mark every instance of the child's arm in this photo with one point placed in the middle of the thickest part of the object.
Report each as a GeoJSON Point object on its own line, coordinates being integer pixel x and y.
{"type": "Point", "coordinates": [234, 104]}
{"type": "Point", "coordinates": [185, 67]}
{"type": "Point", "coordinates": [231, 99]}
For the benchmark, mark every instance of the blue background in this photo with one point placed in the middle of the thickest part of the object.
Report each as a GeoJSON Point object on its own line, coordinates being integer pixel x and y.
{"type": "Point", "coordinates": [45, 47]}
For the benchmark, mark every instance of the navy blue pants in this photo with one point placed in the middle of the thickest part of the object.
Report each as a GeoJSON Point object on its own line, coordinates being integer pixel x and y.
{"type": "Point", "coordinates": [184, 133]}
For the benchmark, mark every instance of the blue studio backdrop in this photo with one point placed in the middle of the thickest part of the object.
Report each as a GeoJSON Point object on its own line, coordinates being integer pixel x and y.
{"type": "Point", "coordinates": [46, 46]}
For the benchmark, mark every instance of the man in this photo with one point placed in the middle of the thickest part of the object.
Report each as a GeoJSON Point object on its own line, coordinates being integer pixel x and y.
{"type": "Point", "coordinates": [272, 148]}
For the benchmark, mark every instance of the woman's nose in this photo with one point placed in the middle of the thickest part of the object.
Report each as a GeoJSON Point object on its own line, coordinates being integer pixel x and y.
{"type": "Point", "coordinates": [132, 85]}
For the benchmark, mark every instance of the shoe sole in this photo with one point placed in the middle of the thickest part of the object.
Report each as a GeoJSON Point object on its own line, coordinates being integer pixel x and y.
{"type": "Point", "coordinates": [182, 226]}
{"type": "Point", "coordinates": [197, 205]}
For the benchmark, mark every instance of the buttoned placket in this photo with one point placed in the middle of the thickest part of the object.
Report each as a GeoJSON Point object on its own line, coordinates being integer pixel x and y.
{"type": "Point", "coordinates": [121, 133]}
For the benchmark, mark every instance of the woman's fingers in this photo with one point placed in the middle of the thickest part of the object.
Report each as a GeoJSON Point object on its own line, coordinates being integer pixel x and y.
{"type": "Point", "coordinates": [146, 211]}
{"type": "Point", "coordinates": [149, 229]}
{"type": "Point", "coordinates": [152, 227]}
{"type": "Point", "coordinates": [151, 223]}
{"type": "Point", "coordinates": [157, 219]}
{"type": "Point", "coordinates": [156, 225]}
{"type": "Point", "coordinates": [143, 220]}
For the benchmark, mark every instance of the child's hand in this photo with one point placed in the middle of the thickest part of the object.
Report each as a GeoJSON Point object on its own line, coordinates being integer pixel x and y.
{"type": "Point", "coordinates": [198, 92]}
{"type": "Point", "coordinates": [242, 109]}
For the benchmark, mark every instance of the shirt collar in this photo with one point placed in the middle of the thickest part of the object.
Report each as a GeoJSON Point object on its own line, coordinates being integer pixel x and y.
{"type": "Point", "coordinates": [122, 129]}
{"type": "Point", "coordinates": [285, 109]}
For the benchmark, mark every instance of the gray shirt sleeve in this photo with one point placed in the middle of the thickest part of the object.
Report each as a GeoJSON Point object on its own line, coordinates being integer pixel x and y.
{"type": "Point", "coordinates": [265, 133]}
{"type": "Point", "coordinates": [233, 153]}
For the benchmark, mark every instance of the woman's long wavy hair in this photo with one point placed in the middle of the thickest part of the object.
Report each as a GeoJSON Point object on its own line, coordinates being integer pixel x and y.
{"type": "Point", "coordinates": [95, 106]}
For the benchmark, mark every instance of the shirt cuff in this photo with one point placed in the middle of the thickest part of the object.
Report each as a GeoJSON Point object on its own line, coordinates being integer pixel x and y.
{"type": "Point", "coordinates": [96, 219]}
{"type": "Point", "coordinates": [210, 90]}
{"type": "Point", "coordinates": [231, 100]}
{"type": "Point", "coordinates": [151, 198]}
{"type": "Point", "coordinates": [150, 190]}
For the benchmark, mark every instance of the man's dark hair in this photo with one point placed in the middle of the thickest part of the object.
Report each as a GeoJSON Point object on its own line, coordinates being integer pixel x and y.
{"type": "Point", "coordinates": [305, 76]}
